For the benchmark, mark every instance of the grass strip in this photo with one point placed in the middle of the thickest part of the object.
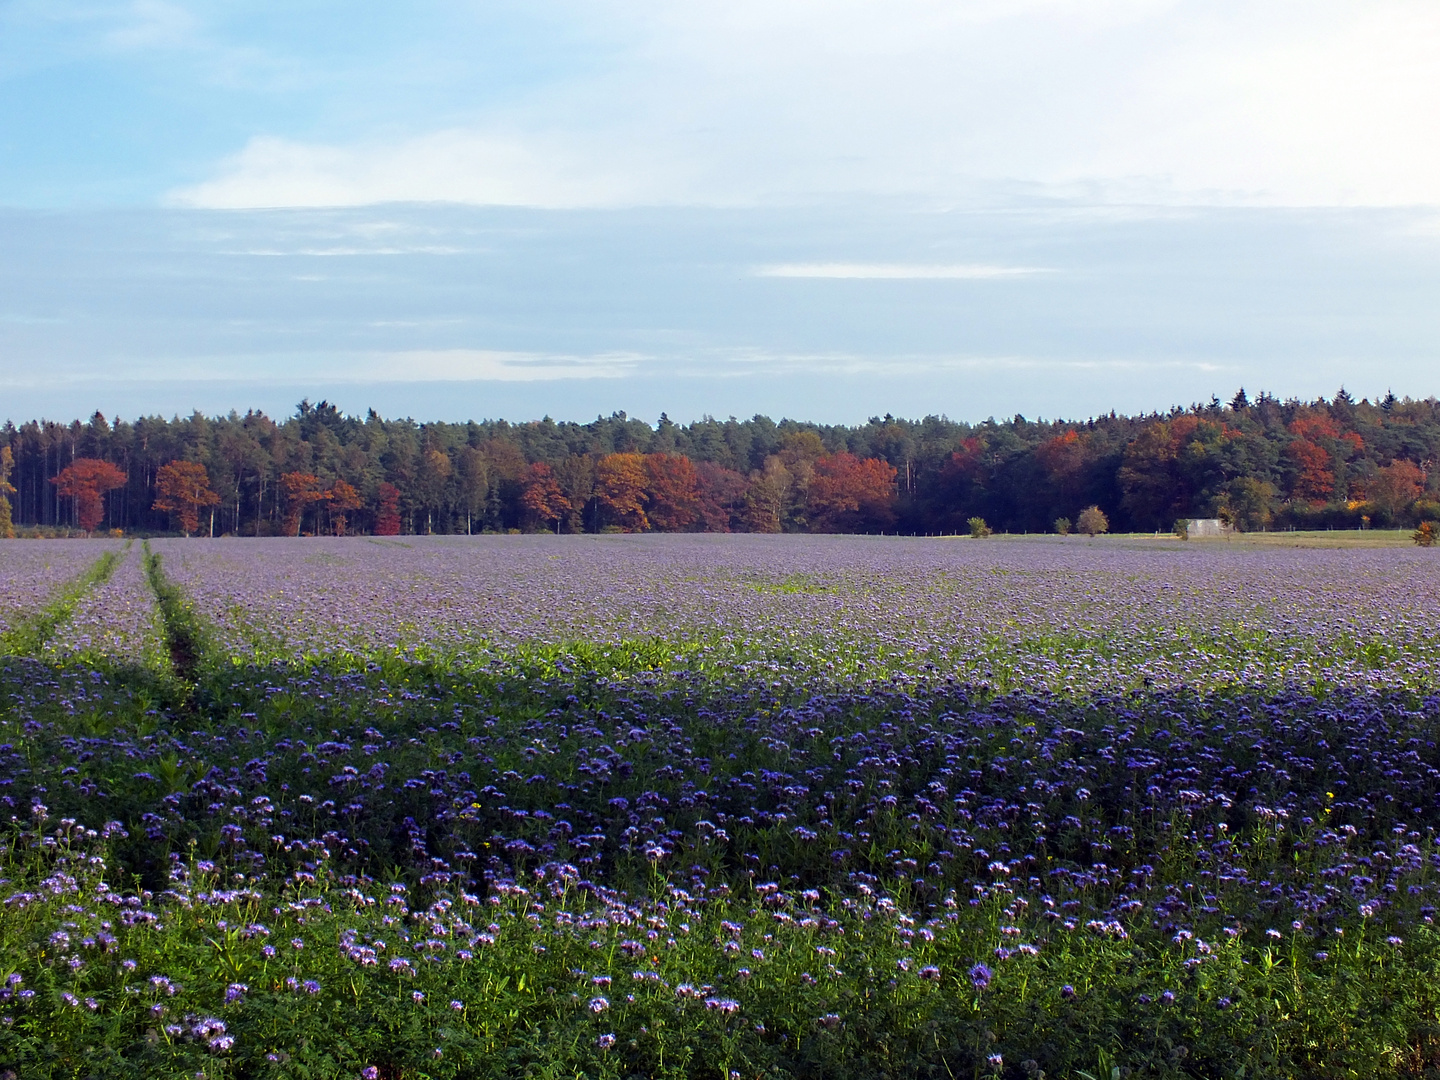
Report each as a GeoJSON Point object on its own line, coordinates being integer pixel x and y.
{"type": "Point", "coordinates": [34, 633]}
{"type": "Point", "coordinates": [185, 636]}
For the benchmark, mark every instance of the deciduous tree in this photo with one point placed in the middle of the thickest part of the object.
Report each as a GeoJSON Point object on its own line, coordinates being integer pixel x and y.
{"type": "Point", "coordinates": [474, 477]}
{"type": "Point", "coordinates": [431, 483]}
{"type": "Point", "coordinates": [673, 493]}
{"type": "Point", "coordinates": [722, 497]}
{"type": "Point", "coordinates": [620, 482]}
{"type": "Point", "coordinates": [343, 498]}
{"type": "Point", "coordinates": [1396, 486]}
{"type": "Point", "coordinates": [765, 500]}
{"type": "Point", "coordinates": [1092, 521]}
{"type": "Point", "coordinates": [1314, 472]}
{"type": "Point", "coordinates": [7, 523]}
{"type": "Point", "coordinates": [86, 480]}
{"type": "Point", "coordinates": [182, 488]}
{"type": "Point", "coordinates": [299, 490]}
{"type": "Point", "coordinates": [387, 517]}
{"type": "Point", "coordinates": [541, 495]}
{"type": "Point", "coordinates": [576, 477]}
{"type": "Point", "coordinates": [848, 494]}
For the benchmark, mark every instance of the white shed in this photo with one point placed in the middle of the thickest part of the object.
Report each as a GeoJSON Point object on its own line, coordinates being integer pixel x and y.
{"type": "Point", "coordinates": [1205, 527]}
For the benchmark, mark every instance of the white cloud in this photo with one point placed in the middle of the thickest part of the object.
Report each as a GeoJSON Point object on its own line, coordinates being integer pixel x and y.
{"type": "Point", "coordinates": [737, 101]}
{"type": "Point", "coordinates": [446, 166]}
{"type": "Point", "coordinates": [896, 271]}
{"type": "Point", "coordinates": [359, 368]}
{"type": "Point", "coordinates": [751, 363]}
{"type": "Point", "coordinates": [153, 24]}
{"type": "Point", "coordinates": [443, 365]}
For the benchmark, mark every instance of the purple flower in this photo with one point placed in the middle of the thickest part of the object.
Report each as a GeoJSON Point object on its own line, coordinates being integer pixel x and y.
{"type": "Point", "coordinates": [980, 976]}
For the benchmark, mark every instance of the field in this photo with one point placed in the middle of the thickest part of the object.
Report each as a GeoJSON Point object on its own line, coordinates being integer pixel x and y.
{"type": "Point", "coordinates": [735, 807]}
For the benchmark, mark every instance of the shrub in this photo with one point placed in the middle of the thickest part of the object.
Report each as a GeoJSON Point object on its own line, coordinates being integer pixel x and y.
{"type": "Point", "coordinates": [978, 529]}
{"type": "Point", "coordinates": [1425, 534]}
{"type": "Point", "coordinates": [1182, 528]}
{"type": "Point", "coordinates": [1092, 520]}
{"type": "Point", "coordinates": [1062, 526]}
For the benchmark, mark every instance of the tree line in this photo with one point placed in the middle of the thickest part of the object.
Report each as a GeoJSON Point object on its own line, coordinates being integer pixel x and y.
{"type": "Point", "coordinates": [1258, 464]}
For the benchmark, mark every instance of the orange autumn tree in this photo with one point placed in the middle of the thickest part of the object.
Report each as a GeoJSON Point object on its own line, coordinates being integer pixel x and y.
{"type": "Point", "coordinates": [673, 498]}
{"type": "Point", "coordinates": [86, 480]}
{"type": "Point", "coordinates": [849, 493]}
{"type": "Point", "coordinates": [541, 494]}
{"type": "Point", "coordinates": [620, 483]}
{"type": "Point", "coordinates": [1314, 476]}
{"type": "Point", "coordinates": [343, 498]}
{"type": "Point", "coordinates": [299, 490]}
{"type": "Point", "coordinates": [181, 488]}
{"type": "Point", "coordinates": [1063, 456]}
{"type": "Point", "coordinates": [1396, 486]}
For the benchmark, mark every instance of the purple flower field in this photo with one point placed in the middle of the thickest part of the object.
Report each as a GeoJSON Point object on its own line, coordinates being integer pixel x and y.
{"type": "Point", "coordinates": [31, 571]}
{"type": "Point", "coordinates": [116, 621]}
{"type": "Point", "coordinates": [1065, 615]}
{"type": "Point", "coordinates": [769, 806]}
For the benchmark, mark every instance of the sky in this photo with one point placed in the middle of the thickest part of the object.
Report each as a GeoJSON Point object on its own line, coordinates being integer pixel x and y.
{"type": "Point", "coordinates": [453, 209]}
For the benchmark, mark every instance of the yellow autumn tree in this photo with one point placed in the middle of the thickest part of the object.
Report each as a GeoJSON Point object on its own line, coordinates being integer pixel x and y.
{"type": "Point", "coordinates": [7, 522]}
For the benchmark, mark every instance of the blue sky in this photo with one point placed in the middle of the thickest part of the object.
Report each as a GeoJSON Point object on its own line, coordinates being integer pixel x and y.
{"type": "Point", "coordinates": [828, 210]}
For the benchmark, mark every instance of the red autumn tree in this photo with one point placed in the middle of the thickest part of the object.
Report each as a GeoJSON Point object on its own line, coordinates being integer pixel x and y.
{"type": "Point", "coordinates": [299, 490]}
{"type": "Point", "coordinates": [1063, 456]}
{"type": "Point", "coordinates": [673, 499]}
{"type": "Point", "coordinates": [849, 493]}
{"type": "Point", "coordinates": [541, 494]}
{"type": "Point", "coordinates": [620, 482]}
{"type": "Point", "coordinates": [387, 519]}
{"type": "Point", "coordinates": [343, 498]}
{"type": "Point", "coordinates": [1315, 427]}
{"type": "Point", "coordinates": [86, 480]}
{"type": "Point", "coordinates": [722, 497]}
{"type": "Point", "coordinates": [181, 488]}
{"type": "Point", "coordinates": [1314, 474]}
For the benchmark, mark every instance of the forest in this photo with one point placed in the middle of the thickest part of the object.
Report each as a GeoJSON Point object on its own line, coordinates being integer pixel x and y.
{"type": "Point", "coordinates": [1260, 464]}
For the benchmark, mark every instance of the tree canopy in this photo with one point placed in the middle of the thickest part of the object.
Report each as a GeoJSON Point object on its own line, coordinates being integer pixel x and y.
{"type": "Point", "coordinates": [1258, 462]}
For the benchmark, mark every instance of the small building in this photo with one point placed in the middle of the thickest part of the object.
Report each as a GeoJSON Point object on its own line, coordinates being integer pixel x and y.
{"type": "Point", "coordinates": [1206, 527]}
